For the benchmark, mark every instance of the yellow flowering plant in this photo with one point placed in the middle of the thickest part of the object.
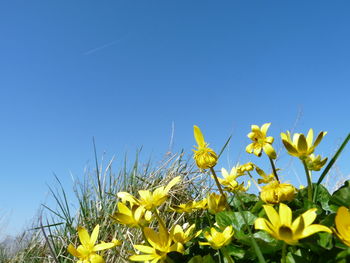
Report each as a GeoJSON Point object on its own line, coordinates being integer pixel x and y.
{"type": "Point", "coordinates": [230, 221]}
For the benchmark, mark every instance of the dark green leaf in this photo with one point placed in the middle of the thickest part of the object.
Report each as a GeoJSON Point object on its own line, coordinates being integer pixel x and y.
{"type": "Point", "coordinates": [200, 259]}
{"type": "Point", "coordinates": [341, 197]}
{"type": "Point", "coordinates": [228, 218]}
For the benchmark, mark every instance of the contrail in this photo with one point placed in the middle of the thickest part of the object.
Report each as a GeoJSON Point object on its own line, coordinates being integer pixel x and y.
{"type": "Point", "coordinates": [91, 51]}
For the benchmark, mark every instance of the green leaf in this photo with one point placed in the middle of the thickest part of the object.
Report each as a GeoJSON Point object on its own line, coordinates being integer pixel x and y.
{"type": "Point", "coordinates": [237, 252]}
{"type": "Point", "coordinates": [228, 218]}
{"type": "Point", "coordinates": [267, 243]}
{"type": "Point", "coordinates": [200, 259]}
{"type": "Point", "coordinates": [246, 198]}
{"type": "Point", "coordinates": [341, 197]}
{"type": "Point", "coordinates": [325, 240]}
{"type": "Point", "coordinates": [332, 161]}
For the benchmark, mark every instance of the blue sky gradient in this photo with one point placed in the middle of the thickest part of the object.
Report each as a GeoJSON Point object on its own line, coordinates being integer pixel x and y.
{"type": "Point", "coordinates": [123, 71]}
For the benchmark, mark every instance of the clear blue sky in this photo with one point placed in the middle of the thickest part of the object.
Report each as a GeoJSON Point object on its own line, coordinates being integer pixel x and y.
{"type": "Point", "coordinates": [123, 71]}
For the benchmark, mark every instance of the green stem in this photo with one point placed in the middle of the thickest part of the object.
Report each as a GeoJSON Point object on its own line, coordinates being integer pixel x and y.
{"type": "Point", "coordinates": [255, 245]}
{"type": "Point", "coordinates": [284, 253]}
{"type": "Point", "coordinates": [309, 182]}
{"type": "Point", "coordinates": [226, 255]}
{"type": "Point", "coordinates": [160, 220]}
{"type": "Point", "coordinates": [274, 169]}
{"type": "Point", "coordinates": [219, 187]}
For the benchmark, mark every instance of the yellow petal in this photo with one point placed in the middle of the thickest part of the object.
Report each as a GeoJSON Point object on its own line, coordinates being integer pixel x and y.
{"type": "Point", "coordinates": [94, 234]}
{"type": "Point", "coordinates": [173, 182]}
{"type": "Point", "coordinates": [126, 197]}
{"type": "Point", "coordinates": [198, 136]}
{"type": "Point", "coordinates": [103, 246]}
{"type": "Point", "coordinates": [122, 218]}
{"type": "Point", "coordinates": [94, 258]}
{"type": "Point", "coordinates": [269, 150]}
{"type": "Point", "coordinates": [319, 138]}
{"type": "Point", "coordinates": [148, 215]}
{"type": "Point", "coordinates": [144, 258]}
{"type": "Point", "coordinates": [285, 215]}
{"type": "Point", "coordinates": [272, 215]}
{"type": "Point", "coordinates": [342, 222]}
{"type": "Point", "coordinates": [290, 148]}
{"type": "Point", "coordinates": [145, 249]}
{"type": "Point", "coordinates": [265, 127]}
{"type": "Point", "coordinates": [122, 208]}
{"type": "Point", "coordinates": [310, 137]}
{"type": "Point", "coordinates": [250, 148]}
{"type": "Point", "coordinates": [151, 236]}
{"type": "Point", "coordinates": [302, 144]}
{"type": "Point", "coordinates": [263, 224]}
{"type": "Point", "coordinates": [72, 250]}
{"type": "Point", "coordinates": [309, 216]}
{"type": "Point", "coordinates": [84, 236]}
{"type": "Point", "coordinates": [310, 230]}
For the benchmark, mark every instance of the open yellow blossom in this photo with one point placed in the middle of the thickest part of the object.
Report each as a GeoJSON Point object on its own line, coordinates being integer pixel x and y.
{"type": "Point", "coordinates": [160, 244]}
{"type": "Point", "coordinates": [342, 225]}
{"type": "Point", "coordinates": [189, 206]}
{"type": "Point", "coordinates": [178, 234]}
{"type": "Point", "coordinates": [276, 192]}
{"type": "Point", "coordinates": [86, 252]}
{"type": "Point", "coordinates": [150, 200]}
{"type": "Point", "coordinates": [204, 156]}
{"type": "Point", "coordinates": [246, 167]}
{"type": "Point", "coordinates": [216, 203]}
{"type": "Point", "coordinates": [217, 239]}
{"type": "Point", "coordinates": [137, 216]}
{"type": "Point", "coordinates": [301, 146]}
{"type": "Point", "coordinates": [230, 181]}
{"type": "Point", "coordinates": [315, 163]}
{"type": "Point", "coordinates": [281, 227]}
{"type": "Point", "coordinates": [260, 141]}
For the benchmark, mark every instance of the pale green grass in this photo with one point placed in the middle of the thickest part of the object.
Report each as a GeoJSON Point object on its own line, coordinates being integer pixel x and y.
{"type": "Point", "coordinates": [94, 201]}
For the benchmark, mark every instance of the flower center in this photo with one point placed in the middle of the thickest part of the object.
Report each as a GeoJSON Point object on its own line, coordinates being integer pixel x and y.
{"type": "Point", "coordinates": [285, 233]}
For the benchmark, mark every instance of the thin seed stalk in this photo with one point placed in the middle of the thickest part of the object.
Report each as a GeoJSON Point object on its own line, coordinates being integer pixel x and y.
{"type": "Point", "coordinates": [220, 188]}
{"type": "Point", "coordinates": [274, 169]}
{"type": "Point", "coordinates": [309, 182]}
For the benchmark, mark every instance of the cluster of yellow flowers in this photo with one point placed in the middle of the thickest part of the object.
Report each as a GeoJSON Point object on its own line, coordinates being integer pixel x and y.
{"type": "Point", "coordinates": [140, 211]}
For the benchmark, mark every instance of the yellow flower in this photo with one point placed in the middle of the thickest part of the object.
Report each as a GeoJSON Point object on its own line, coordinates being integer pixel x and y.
{"type": "Point", "coordinates": [178, 235]}
{"type": "Point", "coordinates": [246, 167]}
{"type": "Point", "coordinates": [342, 224]}
{"type": "Point", "coordinates": [216, 203]}
{"type": "Point", "coordinates": [301, 146]}
{"type": "Point", "coordinates": [150, 200]}
{"type": "Point", "coordinates": [189, 206]}
{"type": "Point", "coordinates": [86, 252]}
{"type": "Point", "coordinates": [137, 216]}
{"type": "Point", "coordinates": [218, 239]}
{"type": "Point", "coordinates": [160, 244]}
{"type": "Point", "coordinates": [260, 141]}
{"type": "Point", "coordinates": [281, 227]}
{"type": "Point", "coordinates": [275, 192]}
{"type": "Point", "coordinates": [314, 163]}
{"type": "Point", "coordinates": [204, 156]}
{"type": "Point", "coordinates": [201, 204]}
{"type": "Point", "coordinates": [183, 208]}
{"type": "Point", "coordinates": [230, 181]}
{"type": "Point", "coordinates": [266, 178]}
